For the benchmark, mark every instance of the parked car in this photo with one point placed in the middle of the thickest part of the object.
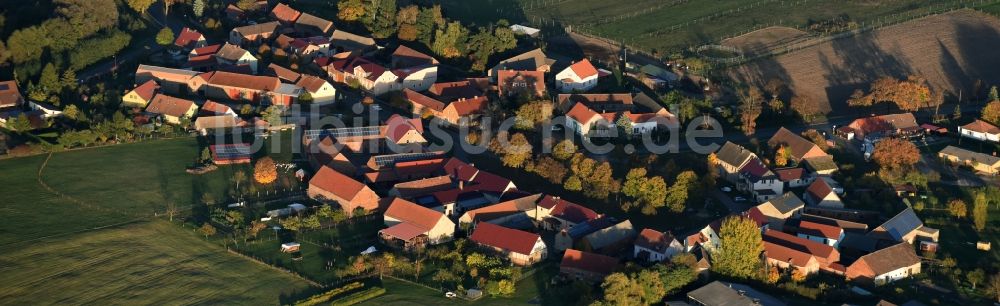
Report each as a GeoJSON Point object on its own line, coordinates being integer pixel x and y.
{"type": "Point", "coordinates": [739, 199]}
{"type": "Point", "coordinates": [727, 189]}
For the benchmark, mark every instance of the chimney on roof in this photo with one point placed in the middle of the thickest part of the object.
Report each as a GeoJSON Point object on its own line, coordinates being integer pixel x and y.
{"type": "Point", "coordinates": [461, 184]}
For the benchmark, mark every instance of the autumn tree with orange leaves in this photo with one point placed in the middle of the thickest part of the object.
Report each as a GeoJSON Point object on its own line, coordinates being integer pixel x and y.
{"type": "Point", "coordinates": [991, 112]}
{"type": "Point", "coordinates": [751, 105]}
{"type": "Point", "coordinates": [265, 171]}
{"type": "Point", "coordinates": [896, 154]}
{"type": "Point", "coordinates": [909, 95]}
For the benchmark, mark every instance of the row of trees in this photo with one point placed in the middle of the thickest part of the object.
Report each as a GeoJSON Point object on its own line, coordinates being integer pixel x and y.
{"type": "Point", "coordinates": [447, 39]}
{"type": "Point", "coordinates": [650, 285]}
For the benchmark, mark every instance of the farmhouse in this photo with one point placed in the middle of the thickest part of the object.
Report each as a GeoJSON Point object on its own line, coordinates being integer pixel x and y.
{"type": "Point", "coordinates": [234, 56]}
{"type": "Point", "coordinates": [558, 214]}
{"type": "Point", "coordinates": [906, 227]}
{"type": "Point", "coordinates": [253, 34]}
{"type": "Point", "coordinates": [310, 47]}
{"type": "Point", "coordinates": [320, 90]}
{"type": "Point", "coordinates": [587, 266]}
{"type": "Point", "coordinates": [189, 39]}
{"type": "Point", "coordinates": [528, 83]}
{"type": "Point", "coordinates": [793, 177]}
{"type": "Point", "coordinates": [140, 95]}
{"type": "Point", "coordinates": [218, 124]}
{"type": "Point", "coordinates": [759, 180]}
{"type": "Point", "coordinates": [654, 246]}
{"type": "Point", "coordinates": [780, 209]}
{"type": "Point", "coordinates": [820, 193]}
{"type": "Point", "coordinates": [371, 77]}
{"type": "Point", "coordinates": [285, 14]}
{"type": "Point", "coordinates": [823, 233]}
{"type": "Point", "coordinates": [876, 127]}
{"type": "Point", "coordinates": [885, 266]}
{"type": "Point", "coordinates": [534, 60]}
{"type": "Point", "coordinates": [596, 115]}
{"type": "Point", "coordinates": [266, 90]}
{"type": "Point", "coordinates": [821, 166]}
{"type": "Point", "coordinates": [171, 109]}
{"type": "Point", "coordinates": [785, 250]}
{"type": "Point", "coordinates": [310, 25]}
{"type": "Point", "coordinates": [513, 212]}
{"type": "Point", "coordinates": [227, 154]}
{"type": "Point", "coordinates": [980, 130]}
{"type": "Point", "coordinates": [212, 108]}
{"type": "Point", "coordinates": [520, 247]}
{"type": "Point", "coordinates": [984, 163]}
{"type": "Point", "coordinates": [171, 81]}
{"type": "Point", "coordinates": [348, 44]}
{"type": "Point", "coordinates": [580, 76]}
{"type": "Point", "coordinates": [707, 238]}
{"type": "Point", "coordinates": [730, 159]}
{"type": "Point", "coordinates": [798, 147]}
{"type": "Point", "coordinates": [10, 97]}
{"type": "Point", "coordinates": [330, 185]}
{"type": "Point", "coordinates": [609, 240]}
{"type": "Point", "coordinates": [462, 111]}
{"type": "Point", "coordinates": [286, 75]}
{"type": "Point", "coordinates": [411, 226]}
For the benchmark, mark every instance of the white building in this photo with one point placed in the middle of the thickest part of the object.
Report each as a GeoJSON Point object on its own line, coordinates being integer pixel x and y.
{"type": "Point", "coordinates": [980, 130]}
{"type": "Point", "coordinates": [581, 76]}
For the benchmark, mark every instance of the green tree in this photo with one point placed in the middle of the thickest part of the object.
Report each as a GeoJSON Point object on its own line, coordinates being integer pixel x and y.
{"type": "Point", "coordinates": [68, 79]}
{"type": "Point", "coordinates": [165, 37]}
{"type": "Point", "coordinates": [564, 149]}
{"type": "Point", "coordinates": [449, 42]}
{"type": "Point", "coordinates": [518, 152]}
{"type": "Point", "coordinates": [994, 95]}
{"type": "Point", "coordinates": [976, 277]}
{"type": "Point", "coordinates": [600, 184]}
{"type": "Point", "coordinates": [49, 81]}
{"type": "Point", "coordinates": [991, 112]}
{"type": "Point", "coordinates": [272, 114]}
{"type": "Point", "coordinates": [19, 124]}
{"type": "Point", "coordinates": [207, 229]}
{"type": "Point", "coordinates": [529, 115]}
{"type": "Point", "coordinates": [71, 112]}
{"type": "Point", "coordinates": [679, 273]}
{"type": "Point", "coordinates": [140, 6]}
{"type": "Point", "coordinates": [681, 190]}
{"type": "Point", "coordinates": [206, 155]}
{"type": "Point", "coordinates": [652, 287]}
{"type": "Point", "coordinates": [980, 211]}
{"type": "Point", "coordinates": [957, 208]}
{"type": "Point", "coordinates": [739, 250]}
{"type": "Point", "coordinates": [619, 289]}
{"type": "Point", "coordinates": [573, 183]}
{"type": "Point", "coordinates": [428, 21]}
{"type": "Point", "coordinates": [350, 10]}
{"type": "Point", "coordinates": [383, 24]}
{"type": "Point", "coordinates": [635, 182]}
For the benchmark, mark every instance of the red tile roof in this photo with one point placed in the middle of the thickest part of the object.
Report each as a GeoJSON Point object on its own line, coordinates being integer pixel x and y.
{"type": "Point", "coordinates": [412, 57]}
{"type": "Point", "coordinates": [982, 127]}
{"type": "Point", "coordinates": [785, 254]}
{"type": "Point", "coordinates": [584, 69]}
{"type": "Point", "coordinates": [581, 113]}
{"type": "Point", "coordinates": [187, 38]}
{"type": "Point", "coordinates": [814, 248]}
{"type": "Point", "coordinates": [470, 106]}
{"type": "Point", "coordinates": [798, 146]}
{"type": "Point", "coordinates": [758, 217]}
{"type": "Point", "coordinates": [819, 189]}
{"type": "Point", "coordinates": [418, 98]}
{"type": "Point", "coordinates": [460, 170]}
{"type": "Point", "coordinates": [819, 230]}
{"type": "Point", "coordinates": [215, 107]}
{"type": "Point", "coordinates": [262, 83]}
{"type": "Point", "coordinates": [587, 261]}
{"type": "Point", "coordinates": [146, 90]}
{"type": "Point", "coordinates": [456, 90]}
{"type": "Point", "coordinates": [512, 240]}
{"type": "Point", "coordinates": [397, 126]}
{"type": "Point", "coordinates": [285, 14]}
{"type": "Point", "coordinates": [311, 83]}
{"type": "Point", "coordinates": [167, 105]}
{"type": "Point", "coordinates": [409, 212]}
{"type": "Point", "coordinates": [337, 183]}
{"type": "Point", "coordinates": [789, 174]}
{"type": "Point", "coordinates": [535, 78]}
{"type": "Point", "coordinates": [654, 240]}
{"type": "Point", "coordinates": [283, 73]}
{"type": "Point", "coordinates": [206, 50]}
{"type": "Point", "coordinates": [568, 211]}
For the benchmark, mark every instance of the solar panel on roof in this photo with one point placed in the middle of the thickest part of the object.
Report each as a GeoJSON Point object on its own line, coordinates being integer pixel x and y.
{"type": "Point", "coordinates": [386, 160]}
{"type": "Point", "coordinates": [345, 132]}
{"type": "Point", "coordinates": [232, 151]}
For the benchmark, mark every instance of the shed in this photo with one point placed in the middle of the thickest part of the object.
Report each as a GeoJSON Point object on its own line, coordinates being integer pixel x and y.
{"type": "Point", "coordinates": [290, 247]}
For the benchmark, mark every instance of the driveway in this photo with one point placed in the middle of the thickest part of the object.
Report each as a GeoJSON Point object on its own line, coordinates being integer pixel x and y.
{"type": "Point", "coordinates": [724, 198]}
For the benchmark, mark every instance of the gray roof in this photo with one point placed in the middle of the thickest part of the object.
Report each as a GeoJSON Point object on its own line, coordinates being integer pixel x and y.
{"type": "Point", "coordinates": [891, 258]}
{"type": "Point", "coordinates": [350, 41]}
{"type": "Point", "coordinates": [821, 163]}
{"type": "Point", "coordinates": [722, 294]}
{"type": "Point", "coordinates": [651, 104]}
{"type": "Point", "coordinates": [267, 27]}
{"type": "Point", "coordinates": [733, 154]}
{"type": "Point", "coordinates": [898, 226]}
{"type": "Point", "coordinates": [611, 235]}
{"type": "Point", "coordinates": [230, 52]}
{"type": "Point", "coordinates": [967, 155]}
{"type": "Point", "coordinates": [786, 203]}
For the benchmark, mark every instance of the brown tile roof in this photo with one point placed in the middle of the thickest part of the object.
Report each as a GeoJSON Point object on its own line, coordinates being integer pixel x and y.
{"type": "Point", "coordinates": [313, 23]}
{"type": "Point", "coordinates": [146, 90]}
{"type": "Point", "coordinates": [262, 83]}
{"type": "Point", "coordinates": [581, 113]}
{"type": "Point", "coordinates": [502, 209]}
{"type": "Point", "coordinates": [798, 145]}
{"type": "Point", "coordinates": [404, 231]}
{"type": "Point", "coordinates": [819, 189]}
{"type": "Point", "coordinates": [337, 183]}
{"type": "Point", "coordinates": [467, 107]}
{"type": "Point", "coordinates": [567, 210]}
{"type": "Point", "coordinates": [966, 155]}
{"type": "Point", "coordinates": [283, 73]}
{"type": "Point", "coordinates": [531, 60]}
{"type": "Point", "coordinates": [257, 29]}
{"type": "Point", "coordinates": [785, 254]}
{"type": "Point", "coordinates": [217, 122]}
{"type": "Point", "coordinates": [231, 52]}
{"type": "Point", "coordinates": [347, 41]}
{"type": "Point", "coordinates": [311, 83]}
{"type": "Point", "coordinates": [512, 240]}
{"type": "Point", "coordinates": [407, 57]}
{"type": "Point", "coordinates": [215, 108]}
{"type": "Point", "coordinates": [206, 50]}
{"type": "Point", "coordinates": [654, 240]}
{"type": "Point", "coordinates": [187, 38]}
{"type": "Point", "coordinates": [285, 14]}
{"type": "Point", "coordinates": [587, 261]}
{"type": "Point", "coordinates": [982, 127]}
{"type": "Point", "coordinates": [788, 174]}
{"type": "Point", "coordinates": [423, 186]}
{"type": "Point", "coordinates": [584, 69]}
{"type": "Point", "coordinates": [536, 79]}
{"type": "Point", "coordinates": [814, 248]}
{"type": "Point", "coordinates": [167, 105]}
{"type": "Point", "coordinates": [418, 98]}
{"type": "Point", "coordinates": [889, 259]}
{"type": "Point", "coordinates": [450, 91]}
{"type": "Point", "coordinates": [414, 214]}
{"type": "Point", "coordinates": [819, 230]}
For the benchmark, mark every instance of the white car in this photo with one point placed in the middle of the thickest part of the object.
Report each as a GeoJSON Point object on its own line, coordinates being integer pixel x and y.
{"type": "Point", "coordinates": [450, 295]}
{"type": "Point", "coordinates": [727, 189]}
{"type": "Point", "coordinates": [376, 107]}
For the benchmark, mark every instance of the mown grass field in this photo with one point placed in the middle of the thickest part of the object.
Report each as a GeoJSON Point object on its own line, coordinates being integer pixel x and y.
{"type": "Point", "coordinates": [142, 263]}
{"type": "Point", "coordinates": [530, 291]}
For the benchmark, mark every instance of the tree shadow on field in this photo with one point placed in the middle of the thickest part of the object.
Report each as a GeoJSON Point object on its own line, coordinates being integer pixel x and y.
{"type": "Point", "coordinates": [954, 74]}
{"type": "Point", "coordinates": [977, 44]}
{"type": "Point", "coordinates": [856, 62]}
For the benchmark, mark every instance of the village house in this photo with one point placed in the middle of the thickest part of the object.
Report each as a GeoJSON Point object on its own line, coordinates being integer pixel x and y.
{"type": "Point", "coordinates": [730, 159]}
{"type": "Point", "coordinates": [229, 154]}
{"type": "Point", "coordinates": [760, 181]}
{"type": "Point", "coordinates": [557, 214]}
{"type": "Point", "coordinates": [311, 47]}
{"type": "Point", "coordinates": [520, 247]}
{"type": "Point", "coordinates": [234, 13]}
{"type": "Point", "coordinates": [370, 76]}
{"type": "Point", "coordinates": [906, 227]}
{"type": "Point", "coordinates": [10, 96]}
{"type": "Point", "coordinates": [707, 238]}
{"type": "Point", "coordinates": [212, 108]}
{"type": "Point", "coordinates": [171, 109]}
{"type": "Point", "coordinates": [189, 39]}
{"type": "Point", "coordinates": [203, 59]}
{"type": "Point", "coordinates": [885, 266]}
{"type": "Point", "coordinates": [984, 163]}
{"type": "Point", "coordinates": [517, 212]}
{"type": "Point", "coordinates": [461, 111]}
{"type": "Point", "coordinates": [171, 81]}
{"type": "Point", "coordinates": [980, 130]}
{"type": "Point", "coordinates": [310, 25]}
{"type": "Point", "coordinates": [786, 251]}
{"type": "Point", "coordinates": [597, 115]}
{"type": "Point", "coordinates": [346, 44]}
{"type": "Point", "coordinates": [330, 185]}
{"type": "Point", "coordinates": [320, 90]}
{"type": "Point", "coordinates": [793, 177]}
{"type": "Point", "coordinates": [778, 210]}
{"type": "Point", "coordinates": [284, 74]}
{"type": "Point", "coordinates": [253, 34]}
{"type": "Point", "coordinates": [580, 77]}
{"type": "Point", "coordinates": [821, 166]}
{"type": "Point", "coordinates": [265, 90]}
{"type": "Point", "coordinates": [798, 147]}
{"type": "Point", "coordinates": [140, 95]}
{"type": "Point", "coordinates": [516, 83]}
{"type": "Point", "coordinates": [608, 240]}
{"type": "Point", "coordinates": [410, 226]}
{"type": "Point", "coordinates": [417, 71]}
{"type": "Point", "coordinates": [234, 56]}
{"type": "Point", "coordinates": [285, 14]}
{"type": "Point", "coordinates": [655, 246]}
{"type": "Point", "coordinates": [875, 127]}
{"type": "Point", "coordinates": [823, 233]}
{"type": "Point", "coordinates": [534, 60]}
{"type": "Point", "coordinates": [586, 266]}
{"type": "Point", "coordinates": [820, 193]}
{"type": "Point", "coordinates": [220, 124]}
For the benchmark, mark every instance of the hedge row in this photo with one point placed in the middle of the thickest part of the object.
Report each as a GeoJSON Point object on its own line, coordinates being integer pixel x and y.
{"type": "Point", "coordinates": [359, 297]}
{"type": "Point", "coordinates": [325, 296]}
